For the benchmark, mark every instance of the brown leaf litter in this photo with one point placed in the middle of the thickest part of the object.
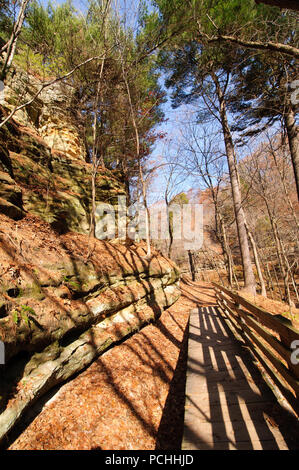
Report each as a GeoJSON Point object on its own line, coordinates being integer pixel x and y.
{"type": "Point", "coordinates": [130, 398]}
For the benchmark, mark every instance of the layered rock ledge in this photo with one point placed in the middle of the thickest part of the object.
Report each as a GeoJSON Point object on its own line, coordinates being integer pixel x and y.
{"type": "Point", "coordinates": [44, 168]}
{"type": "Point", "coordinates": [64, 300]}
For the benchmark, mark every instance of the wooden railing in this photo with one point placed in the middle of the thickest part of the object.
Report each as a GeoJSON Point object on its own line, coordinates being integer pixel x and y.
{"type": "Point", "coordinates": [271, 338]}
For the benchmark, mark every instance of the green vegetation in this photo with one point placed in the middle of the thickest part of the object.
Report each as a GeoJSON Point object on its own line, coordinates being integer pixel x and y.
{"type": "Point", "coordinates": [23, 312]}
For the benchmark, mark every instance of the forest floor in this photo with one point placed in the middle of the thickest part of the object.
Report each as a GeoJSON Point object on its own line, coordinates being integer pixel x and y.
{"type": "Point", "coordinates": [132, 397]}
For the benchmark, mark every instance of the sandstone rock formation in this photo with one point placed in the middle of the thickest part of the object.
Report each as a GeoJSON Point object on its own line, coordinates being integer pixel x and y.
{"type": "Point", "coordinates": [65, 298]}
{"type": "Point", "coordinates": [61, 307]}
{"type": "Point", "coordinates": [43, 168]}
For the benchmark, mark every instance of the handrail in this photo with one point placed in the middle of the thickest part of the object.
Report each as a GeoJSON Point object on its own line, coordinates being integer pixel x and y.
{"type": "Point", "coordinates": [270, 338]}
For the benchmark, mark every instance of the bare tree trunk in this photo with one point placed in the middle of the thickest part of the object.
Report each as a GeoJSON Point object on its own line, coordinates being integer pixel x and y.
{"type": "Point", "coordinates": [281, 260]}
{"type": "Point", "coordinates": [143, 184]}
{"type": "Point", "coordinates": [257, 262]}
{"type": "Point", "coordinates": [170, 225]}
{"type": "Point", "coordinates": [147, 213]}
{"type": "Point", "coordinates": [236, 282]}
{"type": "Point", "coordinates": [277, 281]}
{"type": "Point", "coordinates": [282, 179]}
{"type": "Point", "coordinates": [292, 131]}
{"type": "Point", "coordinates": [95, 161]}
{"type": "Point", "coordinates": [191, 263]}
{"type": "Point", "coordinates": [92, 228]}
{"type": "Point", "coordinates": [226, 250]}
{"type": "Point", "coordinates": [267, 273]}
{"type": "Point", "coordinates": [271, 286]}
{"type": "Point", "coordinates": [170, 229]}
{"type": "Point", "coordinates": [249, 279]}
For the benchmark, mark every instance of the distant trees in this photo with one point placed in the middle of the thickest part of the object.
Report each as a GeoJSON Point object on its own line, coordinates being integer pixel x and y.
{"type": "Point", "coordinates": [205, 161]}
{"type": "Point", "coordinates": [205, 72]}
{"type": "Point", "coordinates": [269, 204]}
{"type": "Point", "coordinates": [222, 46]}
{"type": "Point", "coordinates": [271, 209]}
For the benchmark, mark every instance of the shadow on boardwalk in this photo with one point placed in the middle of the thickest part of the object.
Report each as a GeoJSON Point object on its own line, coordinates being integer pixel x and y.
{"type": "Point", "coordinates": [228, 403]}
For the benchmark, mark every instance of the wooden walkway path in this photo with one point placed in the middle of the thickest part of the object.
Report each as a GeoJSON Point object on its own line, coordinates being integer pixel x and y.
{"type": "Point", "coordinates": [228, 403]}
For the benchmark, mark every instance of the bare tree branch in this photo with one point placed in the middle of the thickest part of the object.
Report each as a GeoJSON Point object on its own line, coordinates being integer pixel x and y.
{"type": "Point", "coordinates": [267, 46]}
{"type": "Point", "coordinates": [45, 85]}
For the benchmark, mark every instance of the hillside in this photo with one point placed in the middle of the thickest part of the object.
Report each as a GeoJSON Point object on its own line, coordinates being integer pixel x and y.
{"type": "Point", "coordinates": [210, 254]}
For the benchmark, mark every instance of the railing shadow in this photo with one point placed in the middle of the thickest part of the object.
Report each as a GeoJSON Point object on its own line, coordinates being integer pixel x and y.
{"type": "Point", "coordinates": [231, 403]}
{"type": "Point", "coordinates": [171, 428]}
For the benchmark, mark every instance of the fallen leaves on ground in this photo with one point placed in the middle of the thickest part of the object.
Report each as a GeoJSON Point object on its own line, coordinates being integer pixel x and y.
{"type": "Point", "coordinates": [130, 398]}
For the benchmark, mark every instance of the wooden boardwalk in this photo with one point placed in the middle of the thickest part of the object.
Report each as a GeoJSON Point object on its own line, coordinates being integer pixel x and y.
{"type": "Point", "coordinates": [228, 403]}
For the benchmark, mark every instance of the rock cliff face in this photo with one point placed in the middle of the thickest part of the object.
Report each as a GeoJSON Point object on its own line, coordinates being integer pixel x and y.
{"type": "Point", "coordinates": [64, 298]}
{"type": "Point", "coordinates": [43, 168]}
{"type": "Point", "coordinates": [49, 114]}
